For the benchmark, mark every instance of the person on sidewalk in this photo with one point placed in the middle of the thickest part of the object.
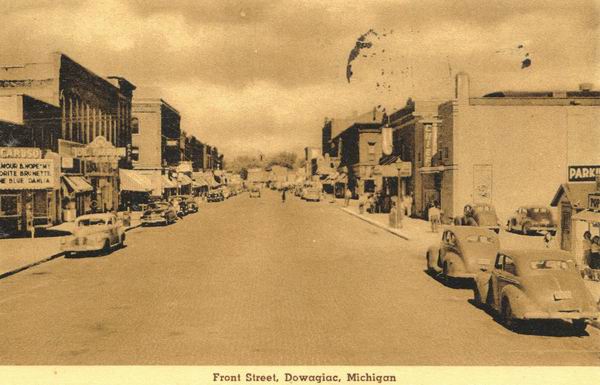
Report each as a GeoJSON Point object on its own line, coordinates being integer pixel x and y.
{"type": "Point", "coordinates": [434, 215]}
{"type": "Point", "coordinates": [347, 196]}
{"type": "Point", "coordinates": [283, 196]}
{"type": "Point", "coordinates": [362, 201]}
{"type": "Point", "coordinates": [548, 240]}
{"type": "Point", "coordinates": [408, 204]}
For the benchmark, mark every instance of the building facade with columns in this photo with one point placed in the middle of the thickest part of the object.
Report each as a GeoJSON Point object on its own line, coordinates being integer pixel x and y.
{"type": "Point", "coordinates": [90, 106]}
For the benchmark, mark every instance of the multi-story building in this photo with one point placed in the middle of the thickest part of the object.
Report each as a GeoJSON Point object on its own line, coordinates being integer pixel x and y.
{"type": "Point", "coordinates": [156, 142]}
{"type": "Point", "coordinates": [513, 148]}
{"type": "Point", "coordinates": [90, 107]}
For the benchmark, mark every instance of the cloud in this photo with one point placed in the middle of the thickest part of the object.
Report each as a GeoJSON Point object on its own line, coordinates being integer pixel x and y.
{"type": "Point", "coordinates": [262, 75]}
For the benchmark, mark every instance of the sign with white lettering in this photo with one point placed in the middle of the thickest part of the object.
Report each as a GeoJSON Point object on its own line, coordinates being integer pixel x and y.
{"type": "Point", "coordinates": [594, 201]}
{"type": "Point", "coordinates": [26, 174]}
{"type": "Point", "coordinates": [583, 173]}
{"type": "Point", "coordinates": [20, 152]}
{"type": "Point", "coordinates": [99, 147]}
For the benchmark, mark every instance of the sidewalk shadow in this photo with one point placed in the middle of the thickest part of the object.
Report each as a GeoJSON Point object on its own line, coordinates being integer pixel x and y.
{"type": "Point", "coordinates": [94, 254]}
{"type": "Point", "coordinates": [453, 283]}
{"type": "Point", "coordinates": [547, 328]}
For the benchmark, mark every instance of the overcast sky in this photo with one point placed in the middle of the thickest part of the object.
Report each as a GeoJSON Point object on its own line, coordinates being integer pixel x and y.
{"type": "Point", "coordinates": [251, 76]}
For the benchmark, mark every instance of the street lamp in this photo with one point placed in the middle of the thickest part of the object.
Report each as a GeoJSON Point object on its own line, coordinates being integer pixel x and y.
{"type": "Point", "coordinates": [399, 211]}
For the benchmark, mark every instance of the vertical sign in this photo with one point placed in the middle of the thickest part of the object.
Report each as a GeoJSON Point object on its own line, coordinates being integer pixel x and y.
{"type": "Point", "coordinates": [427, 144]}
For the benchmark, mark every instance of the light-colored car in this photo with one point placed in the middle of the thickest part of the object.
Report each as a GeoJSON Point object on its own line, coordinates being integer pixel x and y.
{"type": "Point", "coordinates": [463, 252]}
{"type": "Point", "coordinates": [94, 232]}
{"type": "Point", "coordinates": [159, 213]}
{"type": "Point", "coordinates": [311, 193]}
{"type": "Point", "coordinates": [255, 192]}
{"type": "Point", "coordinates": [536, 284]}
{"type": "Point", "coordinates": [530, 219]}
{"type": "Point", "coordinates": [479, 214]}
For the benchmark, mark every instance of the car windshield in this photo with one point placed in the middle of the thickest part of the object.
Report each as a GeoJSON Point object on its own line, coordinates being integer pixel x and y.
{"type": "Point", "coordinates": [551, 264]}
{"type": "Point", "coordinates": [91, 222]}
{"type": "Point", "coordinates": [480, 239]}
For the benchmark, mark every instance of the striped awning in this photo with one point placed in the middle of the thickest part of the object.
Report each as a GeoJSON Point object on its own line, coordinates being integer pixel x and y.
{"type": "Point", "coordinates": [167, 183]}
{"type": "Point", "coordinates": [76, 184]}
{"type": "Point", "coordinates": [134, 181]}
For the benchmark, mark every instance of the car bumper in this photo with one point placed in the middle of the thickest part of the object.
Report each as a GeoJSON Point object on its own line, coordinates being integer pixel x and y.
{"type": "Point", "coordinates": [542, 228]}
{"type": "Point", "coordinates": [153, 221]}
{"type": "Point", "coordinates": [81, 248]}
{"type": "Point", "coordinates": [461, 275]}
{"type": "Point", "coordinates": [591, 316]}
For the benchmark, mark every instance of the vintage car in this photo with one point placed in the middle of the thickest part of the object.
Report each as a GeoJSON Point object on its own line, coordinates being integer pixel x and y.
{"type": "Point", "coordinates": [188, 204]}
{"type": "Point", "coordinates": [215, 196]}
{"type": "Point", "coordinates": [479, 214]}
{"type": "Point", "coordinates": [255, 192]}
{"type": "Point", "coordinates": [311, 193]}
{"type": "Point", "coordinates": [531, 219]}
{"type": "Point", "coordinates": [463, 252]}
{"type": "Point", "coordinates": [158, 213]}
{"type": "Point", "coordinates": [536, 284]}
{"type": "Point", "coordinates": [94, 232]}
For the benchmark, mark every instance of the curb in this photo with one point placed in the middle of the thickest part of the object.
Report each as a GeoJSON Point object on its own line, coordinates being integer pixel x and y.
{"type": "Point", "coordinates": [46, 259]}
{"type": "Point", "coordinates": [375, 223]}
{"type": "Point", "coordinates": [19, 269]}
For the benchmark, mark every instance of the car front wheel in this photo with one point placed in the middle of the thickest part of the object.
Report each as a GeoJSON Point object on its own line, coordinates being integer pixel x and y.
{"type": "Point", "coordinates": [106, 247]}
{"type": "Point", "coordinates": [508, 317]}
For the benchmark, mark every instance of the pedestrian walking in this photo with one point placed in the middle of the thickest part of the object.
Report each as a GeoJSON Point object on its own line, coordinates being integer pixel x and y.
{"type": "Point", "coordinates": [347, 196]}
{"type": "Point", "coordinates": [408, 204]}
{"type": "Point", "coordinates": [283, 196]}
{"type": "Point", "coordinates": [434, 214]}
{"type": "Point", "coordinates": [548, 238]}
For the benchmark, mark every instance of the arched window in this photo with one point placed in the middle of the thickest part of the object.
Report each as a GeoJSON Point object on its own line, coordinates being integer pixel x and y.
{"type": "Point", "coordinates": [135, 125]}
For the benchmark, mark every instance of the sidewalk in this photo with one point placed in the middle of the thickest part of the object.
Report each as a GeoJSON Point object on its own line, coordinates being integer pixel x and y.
{"type": "Point", "coordinates": [412, 229]}
{"type": "Point", "coordinates": [420, 230]}
{"type": "Point", "coordinates": [19, 254]}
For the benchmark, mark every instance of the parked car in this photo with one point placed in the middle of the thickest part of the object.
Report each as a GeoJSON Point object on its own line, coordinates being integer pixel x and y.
{"type": "Point", "coordinates": [311, 193]}
{"type": "Point", "coordinates": [255, 192]}
{"type": "Point", "coordinates": [530, 219]}
{"type": "Point", "coordinates": [479, 214]}
{"type": "Point", "coordinates": [94, 232]}
{"type": "Point", "coordinates": [463, 252]}
{"type": "Point", "coordinates": [189, 204]}
{"type": "Point", "coordinates": [215, 196]}
{"type": "Point", "coordinates": [536, 284]}
{"type": "Point", "coordinates": [158, 213]}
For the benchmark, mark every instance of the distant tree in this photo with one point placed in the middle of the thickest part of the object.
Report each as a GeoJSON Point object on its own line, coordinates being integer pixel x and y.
{"type": "Point", "coordinates": [284, 158]}
{"type": "Point", "coordinates": [240, 165]}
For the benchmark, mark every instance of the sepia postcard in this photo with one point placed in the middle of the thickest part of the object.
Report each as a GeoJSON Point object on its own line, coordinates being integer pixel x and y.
{"type": "Point", "coordinates": [299, 192]}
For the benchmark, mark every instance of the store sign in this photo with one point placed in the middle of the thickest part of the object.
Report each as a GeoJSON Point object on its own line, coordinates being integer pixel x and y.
{"type": "Point", "coordinates": [428, 144]}
{"type": "Point", "coordinates": [594, 201]}
{"type": "Point", "coordinates": [101, 168]}
{"type": "Point", "coordinates": [20, 152]}
{"type": "Point", "coordinates": [99, 147]}
{"type": "Point", "coordinates": [26, 174]}
{"type": "Point", "coordinates": [583, 173]}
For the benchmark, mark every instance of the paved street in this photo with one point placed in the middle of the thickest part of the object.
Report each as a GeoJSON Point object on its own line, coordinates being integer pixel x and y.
{"type": "Point", "coordinates": [257, 281]}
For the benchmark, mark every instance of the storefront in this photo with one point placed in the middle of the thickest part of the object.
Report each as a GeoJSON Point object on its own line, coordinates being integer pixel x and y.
{"type": "Point", "coordinates": [76, 197]}
{"type": "Point", "coordinates": [28, 190]}
{"type": "Point", "coordinates": [578, 211]}
{"type": "Point", "coordinates": [101, 169]}
{"type": "Point", "coordinates": [136, 188]}
{"type": "Point", "coordinates": [169, 187]}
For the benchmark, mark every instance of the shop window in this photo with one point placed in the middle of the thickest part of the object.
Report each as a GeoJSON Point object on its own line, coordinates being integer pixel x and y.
{"type": "Point", "coordinates": [9, 205]}
{"type": "Point", "coordinates": [135, 125]}
{"type": "Point", "coordinates": [40, 204]}
{"type": "Point", "coordinates": [369, 186]}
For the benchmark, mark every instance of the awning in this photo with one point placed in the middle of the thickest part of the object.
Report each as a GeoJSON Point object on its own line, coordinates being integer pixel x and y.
{"type": "Point", "coordinates": [184, 180]}
{"type": "Point", "coordinates": [134, 181]}
{"type": "Point", "coordinates": [76, 184]}
{"type": "Point", "coordinates": [167, 183]}
{"type": "Point", "coordinates": [587, 216]}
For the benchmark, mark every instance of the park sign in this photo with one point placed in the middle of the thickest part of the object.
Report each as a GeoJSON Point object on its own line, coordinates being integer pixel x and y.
{"type": "Point", "coordinates": [26, 174]}
{"type": "Point", "coordinates": [583, 173]}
